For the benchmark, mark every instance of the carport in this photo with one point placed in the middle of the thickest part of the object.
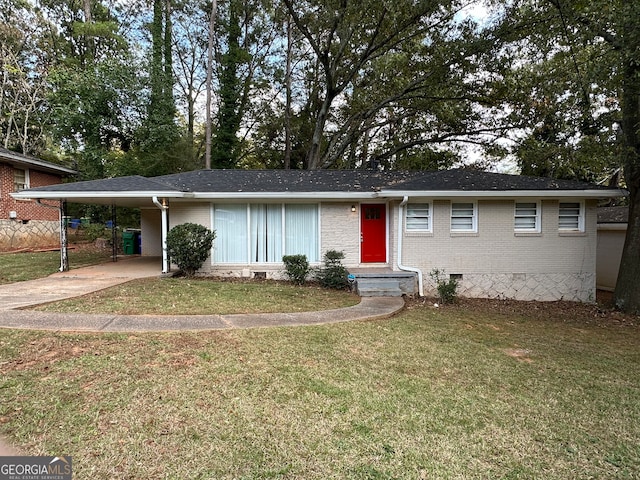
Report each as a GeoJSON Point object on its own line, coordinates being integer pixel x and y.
{"type": "Point", "coordinates": [134, 192]}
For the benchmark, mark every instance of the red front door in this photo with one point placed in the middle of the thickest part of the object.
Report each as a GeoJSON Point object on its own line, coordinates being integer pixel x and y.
{"type": "Point", "coordinates": [373, 233]}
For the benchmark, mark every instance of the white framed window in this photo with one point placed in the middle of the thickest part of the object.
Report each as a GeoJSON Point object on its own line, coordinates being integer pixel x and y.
{"type": "Point", "coordinates": [263, 233]}
{"type": "Point", "coordinates": [464, 217]}
{"type": "Point", "coordinates": [418, 217]}
{"type": "Point", "coordinates": [302, 231]}
{"type": "Point", "coordinates": [20, 179]}
{"type": "Point", "coordinates": [571, 216]}
{"type": "Point", "coordinates": [527, 217]}
{"type": "Point", "coordinates": [231, 225]}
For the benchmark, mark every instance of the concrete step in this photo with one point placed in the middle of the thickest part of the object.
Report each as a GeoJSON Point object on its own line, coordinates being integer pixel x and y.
{"type": "Point", "coordinates": [377, 287]}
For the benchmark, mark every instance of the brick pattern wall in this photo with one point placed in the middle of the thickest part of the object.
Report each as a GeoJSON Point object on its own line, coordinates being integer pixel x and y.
{"type": "Point", "coordinates": [151, 226]}
{"type": "Point", "coordinates": [497, 262]}
{"type": "Point", "coordinates": [26, 210]}
{"type": "Point", "coordinates": [340, 230]}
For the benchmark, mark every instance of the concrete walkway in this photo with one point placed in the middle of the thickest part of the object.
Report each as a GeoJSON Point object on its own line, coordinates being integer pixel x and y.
{"type": "Point", "coordinates": [85, 280]}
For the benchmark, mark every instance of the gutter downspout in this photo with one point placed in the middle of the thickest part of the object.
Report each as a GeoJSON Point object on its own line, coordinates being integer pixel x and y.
{"type": "Point", "coordinates": [163, 208]}
{"type": "Point", "coordinates": [400, 266]}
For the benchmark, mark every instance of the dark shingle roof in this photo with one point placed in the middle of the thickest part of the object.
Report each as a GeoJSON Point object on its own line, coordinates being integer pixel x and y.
{"type": "Point", "coordinates": [613, 214]}
{"type": "Point", "coordinates": [135, 183]}
{"type": "Point", "coordinates": [359, 180]}
{"type": "Point", "coordinates": [328, 181]}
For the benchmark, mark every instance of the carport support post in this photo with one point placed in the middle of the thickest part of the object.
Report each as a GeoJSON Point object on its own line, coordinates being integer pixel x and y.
{"type": "Point", "coordinates": [114, 235]}
{"type": "Point", "coordinates": [163, 209]}
{"type": "Point", "coordinates": [64, 253]}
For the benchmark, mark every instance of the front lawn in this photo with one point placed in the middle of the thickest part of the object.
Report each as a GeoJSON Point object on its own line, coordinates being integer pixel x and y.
{"type": "Point", "coordinates": [18, 267]}
{"type": "Point", "coordinates": [480, 390]}
{"type": "Point", "coordinates": [204, 296]}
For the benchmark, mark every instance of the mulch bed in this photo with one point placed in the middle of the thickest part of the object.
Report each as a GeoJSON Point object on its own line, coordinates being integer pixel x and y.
{"type": "Point", "coordinates": [599, 313]}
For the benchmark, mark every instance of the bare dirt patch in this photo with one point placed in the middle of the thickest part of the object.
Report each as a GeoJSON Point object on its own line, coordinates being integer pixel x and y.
{"type": "Point", "coordinates": [521, 354]}
{"type": "Point", "coordinates": [599, 313]}
{"type": "Point", "coordinates": [44, 352]}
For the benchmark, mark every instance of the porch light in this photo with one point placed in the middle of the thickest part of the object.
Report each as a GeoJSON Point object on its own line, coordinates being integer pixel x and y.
{"type": "Point", "coordinates": [353, 208]}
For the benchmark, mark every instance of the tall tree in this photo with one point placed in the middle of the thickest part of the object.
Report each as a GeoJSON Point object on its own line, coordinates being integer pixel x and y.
{"type": "Point", "coordinates": [23, 82]}
{"type": "Point", "coordinates": [579, 64]}
{"type": "Point", "coordinates": [225, 149]}
{"type": "Point", "coordinates": [161, 130]}
{"type": "Point", "coordinates": [93, 82]}
{"type": "Point", "coordinates": [210, 44]}
{"type": "Point", "coordinates": [392, 66]}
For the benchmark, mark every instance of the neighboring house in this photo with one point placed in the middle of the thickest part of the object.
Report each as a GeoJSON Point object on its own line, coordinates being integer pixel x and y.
{"type": "Point", "coordinates": [612, 230]}
{"type": "Point", "coordinates": [27, 224]}
{"type": "Point", "coordinates": [502, 236]}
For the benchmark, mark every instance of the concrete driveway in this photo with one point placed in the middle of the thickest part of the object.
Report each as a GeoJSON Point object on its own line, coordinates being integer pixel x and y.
{"type": "Point", "coordinates": [77, 282]}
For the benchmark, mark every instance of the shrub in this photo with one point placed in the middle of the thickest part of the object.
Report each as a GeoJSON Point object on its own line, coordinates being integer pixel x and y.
{"type": "Point", "coordinates": [94, 231]}
{"type": "Point", "coordinates": [447, 289]}
{"type": "Point", "coordinates": [333, 274]}
{"type": "Point", "coordinates": [189, 245]}
{"type": "Point", "coordinates": [296, 268]}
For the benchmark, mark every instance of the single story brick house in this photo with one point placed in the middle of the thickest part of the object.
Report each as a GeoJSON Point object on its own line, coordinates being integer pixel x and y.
{"type": "Point", "coordinates": [502, 236]}
{"type": "Point", "coordinates": [28, 224]}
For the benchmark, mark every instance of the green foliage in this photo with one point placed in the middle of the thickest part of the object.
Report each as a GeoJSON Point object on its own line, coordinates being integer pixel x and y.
{"type": "Point", "coordinates": [93, 231]}
{"type": "Point", "coordinates": [226, 146]}
{"type": "Point", "coordinates": [189, 245]}
{"type": "Point", "coordinates": [296, 268]}
{"type": "Point", "coordinates": [333, 274]}
{"type": "Point", "coordinates": [447, 288]}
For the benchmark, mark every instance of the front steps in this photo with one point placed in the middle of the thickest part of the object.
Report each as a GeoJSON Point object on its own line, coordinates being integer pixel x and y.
{"type": "Point", "coordinates": [391, 284]}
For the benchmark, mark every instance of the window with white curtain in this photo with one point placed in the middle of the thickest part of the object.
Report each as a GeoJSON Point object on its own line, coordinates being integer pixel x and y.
{"type": "Point", "coordinates": [418, 217]}
{"type": "Point", "coordinates": [301, 230]}
{"type": "Point", "coordinates": [263, 233]}
{"type": "Point", "coordinates": [527, 217]}
{"type": "Point", "coordinates": [463, 217]}
{"type": "Point", "coordinates": [266, 233]}
{"type": "Point", "coordinates": [230, 224]}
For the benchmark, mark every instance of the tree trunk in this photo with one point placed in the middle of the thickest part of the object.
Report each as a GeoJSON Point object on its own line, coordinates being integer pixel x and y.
{"type": "Point", "coordinates": [627, 293]}
{"type": "Point", "coordinates": [212, 26]}
{"type": "Point", "coordinates": [168, 58]}
{"type": "Point", "coordinates": [88, 18]}
{"type": "Point", "coordinates": [287, 111]}
{"type": "Point", "coordinates": [313, 157]}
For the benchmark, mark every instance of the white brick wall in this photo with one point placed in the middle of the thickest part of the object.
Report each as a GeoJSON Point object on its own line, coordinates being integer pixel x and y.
{"type": "Point", "coordinates": [497, 252]}
{"type": "Point", "coordinates": [180, 213]}
{"type": "Point", "coordinates": [151, 226]}
{"type": "Point", "coordinates": [341, 231]}
{"type": "Point", "coordinates": [494, 262]}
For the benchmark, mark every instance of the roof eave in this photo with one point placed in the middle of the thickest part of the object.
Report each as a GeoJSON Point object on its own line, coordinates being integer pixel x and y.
{"type": "Point", "coordinates": [596, 193]}
{"type": "Point", "coordinates": [287, 195]}
{"type": "Point", "coordinates": [67, 195]}
{"type": "Point", "coordinates": [41, 164]}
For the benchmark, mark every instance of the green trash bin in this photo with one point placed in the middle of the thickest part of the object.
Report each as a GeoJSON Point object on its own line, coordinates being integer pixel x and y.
{"type": "Point", "coordinates": [129, 242]}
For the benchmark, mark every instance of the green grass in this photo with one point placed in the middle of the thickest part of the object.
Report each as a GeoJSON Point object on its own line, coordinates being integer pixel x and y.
{"type": "Point", "coordinates": [172, 296]}
{"type": "Point", "coordinates": [18, 267]}
{"type": "Point", "coordinates": [456, 392]}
